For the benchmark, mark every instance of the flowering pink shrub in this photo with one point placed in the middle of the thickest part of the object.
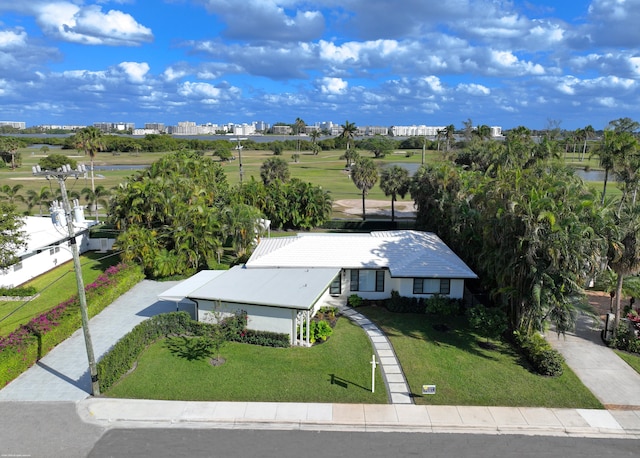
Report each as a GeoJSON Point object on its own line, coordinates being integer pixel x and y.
{"type": "Point", "coordinates": [44, 322]}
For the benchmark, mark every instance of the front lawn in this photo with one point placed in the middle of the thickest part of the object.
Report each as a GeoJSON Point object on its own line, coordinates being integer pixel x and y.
{"type": "Point", "coordinates": [337, 371]}
{"type": "Point", "coordinates": [466, 374]}
{"type": "Point", "coordinates": [632, 359]}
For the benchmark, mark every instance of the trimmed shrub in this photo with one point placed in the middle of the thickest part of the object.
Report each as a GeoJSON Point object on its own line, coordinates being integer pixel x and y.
{"type": "Point", "coordinates": [544, 359]}
{"type": "Point", "coordinates": [434, 305]}
{"type": "Point", "coordinates": [21, 291]}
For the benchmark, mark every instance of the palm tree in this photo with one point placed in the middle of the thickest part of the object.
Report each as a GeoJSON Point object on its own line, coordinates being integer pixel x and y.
{"type": "Point", "coordinates": [587, 133]}
{"type": "Point", "coordinates": [96, 198]}
{"type": "Point", "coordinates": [298, 126]}
{"type": "Point", "coordinates": [351, 156]}
{"type": "Point", "coordinates": [394, 181]}
{"type": "Point", "coordinates": [90, 141]}
{"type": "Point", "coordinates": [449, 133]}
{"type": "Point", "coordinates": [624, 251]}
{"type": "Point", "coordinates": [614, 147]}
{"type": "Point", "coordinates": [315, 135]}
{"type": "Point", "coordinates": [364, 175]}
{"type": "Point", "coordinates": [349, 130]}
{"type": "Point", "coordinates": [274, 168]}
{"type": "Point", "coordinates": [12, 193]}
{"type": "Point", "coordinates": [39, 197]}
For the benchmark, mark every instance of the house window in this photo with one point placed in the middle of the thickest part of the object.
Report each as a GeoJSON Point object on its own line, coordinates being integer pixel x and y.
{"type": "Point", "coordinates": [431, 286]}
{"type": "Point", "coordinates": [336, 286]}
{"type": "Point", "coordinates": [367, 280]}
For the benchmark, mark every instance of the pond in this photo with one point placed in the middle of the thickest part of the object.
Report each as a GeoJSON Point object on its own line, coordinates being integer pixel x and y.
{"type": "Point", "coordinates": [586, 175]}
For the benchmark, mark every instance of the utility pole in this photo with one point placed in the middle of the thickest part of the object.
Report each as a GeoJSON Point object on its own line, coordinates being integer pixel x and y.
{"type": "Point", "coordinates": [61, 174]}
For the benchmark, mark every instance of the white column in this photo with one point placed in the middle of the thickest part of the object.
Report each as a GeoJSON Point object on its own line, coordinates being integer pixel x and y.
{"type": "Point", "coordinates": [308, 326]}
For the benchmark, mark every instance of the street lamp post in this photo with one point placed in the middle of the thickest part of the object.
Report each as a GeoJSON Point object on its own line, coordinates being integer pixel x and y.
{"type": "Point", "coordinates": [61, 174]}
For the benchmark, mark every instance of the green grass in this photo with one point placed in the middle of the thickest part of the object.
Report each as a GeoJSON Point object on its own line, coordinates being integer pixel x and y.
{"type": "Point", "coordinates": [632, 359]}
{"type": "Point", "coordinates": [338, 371]}
{"type": "Point", "coordinates": [466, 374]}
{"type": "Point", "coordinates": [54, 287]}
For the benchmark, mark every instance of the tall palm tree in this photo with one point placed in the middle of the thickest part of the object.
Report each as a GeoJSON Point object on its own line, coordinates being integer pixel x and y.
{"type": "Point", "coordinates": [364, 175]}
{"type": "Point", "coordinates": [349, 130]}
{"type": "Point", "coordinates": [90, 141]}
{"type": "Point", "coordinates": [394, 182]}
{"type": "Point", "coordinates": [587, 133]}
{"type": "Point", "coordinates": [314, 135]}
{"type": "Point", "coordinates": [298, 126]}
{"type": "Point", "coordinates": [449, 133]}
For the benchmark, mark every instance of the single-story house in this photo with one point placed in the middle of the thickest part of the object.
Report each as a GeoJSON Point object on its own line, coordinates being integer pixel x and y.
{"type": "Point", "coordinates": [287, 279]}
{"type": "Point", "coordinates": [414, 263]}
{"type": "Point", "coordinates": [47, 247]}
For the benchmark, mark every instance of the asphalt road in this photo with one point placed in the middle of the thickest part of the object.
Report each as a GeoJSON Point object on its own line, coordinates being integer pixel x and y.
{"type": "Point", "coordinates": [309, 444]}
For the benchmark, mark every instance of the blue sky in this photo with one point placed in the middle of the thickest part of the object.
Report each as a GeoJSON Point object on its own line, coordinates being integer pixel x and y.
{"type": "Point", "coordinates": [373, 62]}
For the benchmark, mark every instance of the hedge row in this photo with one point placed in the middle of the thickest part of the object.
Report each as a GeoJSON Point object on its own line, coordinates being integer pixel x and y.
{"type": "Point", "coordinates": [33, 340]}
{"type": "Point", "coordinates": [544, 359]}
{"type": "Point", "coordinates": [433, 305]}
{"type": "Point", "coordinates": [126, 351]}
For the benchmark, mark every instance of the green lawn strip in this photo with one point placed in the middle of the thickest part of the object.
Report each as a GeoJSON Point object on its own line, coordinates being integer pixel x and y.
{"type": "Point", "coordinates": [253, 373]}
{"type": "Point", "coordinates": [466, 374]}
{"type": "Point", "coordinates": [54, 287]}
{"type": "Point", "coordinates": [632, 359]}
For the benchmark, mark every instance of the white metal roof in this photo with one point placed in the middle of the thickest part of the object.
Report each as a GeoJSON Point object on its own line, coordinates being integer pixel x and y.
{"type": "Point", "coordinates": [182, 289]}
{"type": "Point", "coordinates": [290, 288]}
{"type": "Point", "coordinates": [404, 253]}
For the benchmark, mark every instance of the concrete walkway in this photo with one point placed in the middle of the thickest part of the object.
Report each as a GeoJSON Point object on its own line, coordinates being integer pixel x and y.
{"type": "Point", "coordinates": [603, 372]}
{"type": "Point", "coordinates": [397, 387]}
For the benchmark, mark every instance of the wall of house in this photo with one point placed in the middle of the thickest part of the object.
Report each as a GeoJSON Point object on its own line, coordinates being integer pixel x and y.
{"type": "Point", "coordinates": [37, 264]}
{"type": "Point", "coordinates": [259, 318]}
{"type": "Point", "coordinates": [404, 286]}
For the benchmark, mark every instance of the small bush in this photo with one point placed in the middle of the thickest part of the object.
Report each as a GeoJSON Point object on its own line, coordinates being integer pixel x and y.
{"type": "Point", "coordinates": [544, 359]}
{"type": "Point", "coordinates": [354, 301]}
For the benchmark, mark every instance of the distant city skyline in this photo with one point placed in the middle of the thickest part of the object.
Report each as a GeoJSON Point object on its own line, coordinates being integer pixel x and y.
{"type": "Point", "coordinates": [372, 62]}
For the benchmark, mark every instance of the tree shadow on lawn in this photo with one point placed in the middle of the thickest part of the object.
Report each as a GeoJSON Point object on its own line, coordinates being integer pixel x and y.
{"type": "Point", "coordinates": [190, 348]}
{"type": "Point", "coordinates": [440, 331]}
{"type": "Point", "coordinates": [103, 260]}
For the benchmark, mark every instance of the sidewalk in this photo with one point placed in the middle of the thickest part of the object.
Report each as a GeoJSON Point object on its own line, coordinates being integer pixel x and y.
{"type": "Point", "coordinates": [121, 413]}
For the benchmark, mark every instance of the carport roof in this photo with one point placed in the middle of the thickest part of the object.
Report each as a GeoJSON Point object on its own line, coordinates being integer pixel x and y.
{"type": "Point", "coordinates": [297, 288]}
